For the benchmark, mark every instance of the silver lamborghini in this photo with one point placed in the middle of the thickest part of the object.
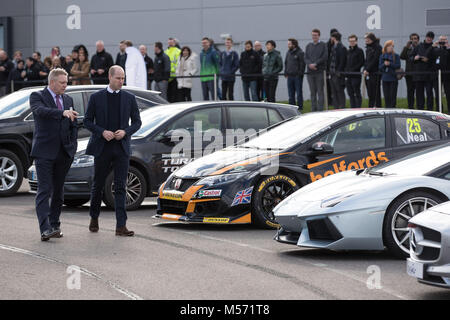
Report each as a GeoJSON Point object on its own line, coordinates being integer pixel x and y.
{"type": "Point", "coordinates": [366, 209]}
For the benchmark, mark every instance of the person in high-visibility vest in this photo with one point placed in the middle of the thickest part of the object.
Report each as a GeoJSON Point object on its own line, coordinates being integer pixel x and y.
{"type": "Point", "coordinates": [174, 54]}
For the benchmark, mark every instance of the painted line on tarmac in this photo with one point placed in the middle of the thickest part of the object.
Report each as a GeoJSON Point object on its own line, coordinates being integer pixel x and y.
{"type": "Point", "coordinates": [91, 274]}
{"type": "Point", "coordinates": [319, 265]}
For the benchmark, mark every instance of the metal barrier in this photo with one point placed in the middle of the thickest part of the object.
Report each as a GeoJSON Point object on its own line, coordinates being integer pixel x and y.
{"type": "Point", "coordinates": [216, 76]}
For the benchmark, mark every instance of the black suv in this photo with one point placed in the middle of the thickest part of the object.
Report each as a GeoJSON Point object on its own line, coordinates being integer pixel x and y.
{"type": "Point", "coordinates": [17, 127]}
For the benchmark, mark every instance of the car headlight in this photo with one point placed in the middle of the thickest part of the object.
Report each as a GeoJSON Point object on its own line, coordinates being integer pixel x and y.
{"type": "Point", "coordinates": [336, 199]}
{"type": "Point", "coordinates": [220, 179]}
{"type": "Point", "coordinates": [83, 161]}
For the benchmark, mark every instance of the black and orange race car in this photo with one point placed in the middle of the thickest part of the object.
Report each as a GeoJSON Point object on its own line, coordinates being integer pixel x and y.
{"type": "Point", "coordinates": [243, 183]}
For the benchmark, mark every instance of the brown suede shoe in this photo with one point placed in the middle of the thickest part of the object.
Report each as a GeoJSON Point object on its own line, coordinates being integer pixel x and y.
{"type": "Point", "coordinates": [124, 232]}
{"type": "Point", "coordinates": [93, 225]}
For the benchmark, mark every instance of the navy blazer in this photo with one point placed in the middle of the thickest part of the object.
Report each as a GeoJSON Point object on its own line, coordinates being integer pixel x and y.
{"type": "Point", "coordinates": [96, 120]}
{"type": "Point", "coordinates": [51, 129]}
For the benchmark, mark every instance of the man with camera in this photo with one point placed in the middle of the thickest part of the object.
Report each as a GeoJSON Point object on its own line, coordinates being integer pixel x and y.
{"type": "Point", "coordinates": [440, 55]}
{"type": "Point", "coordinates": [407, 50]}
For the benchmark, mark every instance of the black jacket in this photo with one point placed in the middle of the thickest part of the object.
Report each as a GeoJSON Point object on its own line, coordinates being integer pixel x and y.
{"type": "Point", "coordinates": [121, 59]}
{"type": "Point", "coordinates": [32, 74]}
{"type": "Point", "coordinates": [9, 66]}
{"type": "Point", "coordinates": [250, 63]}
{"type": "Point", "coordinates": [15, 75]}
{"type": "Point", "coordinates": [338, 58]}
{"type": "Point", "coordinates": [101, 60]}
{"type": "Point", "coordinates": [355, 60]}
{"type": "Point", "coordinates": [96, 120]}
{"type": "Point", "coordinates": [440, 57]}
{"type": "Point", "coordinates": [423, 50]}
{"type": "Point", "coordinates": [161, 67]}
{"type": "Point", "coordinates": [404, 55]}
{"type": "Point", "coordinates": [294, 64]}
{"type": "Point", "coordinates": [51, 129]}
{"type": "Point", "coordinates": [373, 53]}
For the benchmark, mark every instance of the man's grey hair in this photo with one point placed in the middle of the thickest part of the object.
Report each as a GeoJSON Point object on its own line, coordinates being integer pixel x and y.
{"type": "Point", "coordinates": [55, 73]}
{"type": "Point", "coordinates": [100, 42]}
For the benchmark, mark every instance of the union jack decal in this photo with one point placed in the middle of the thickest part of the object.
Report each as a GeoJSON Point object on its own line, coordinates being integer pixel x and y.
{"type": "Point", "coordinates": [243, 197]}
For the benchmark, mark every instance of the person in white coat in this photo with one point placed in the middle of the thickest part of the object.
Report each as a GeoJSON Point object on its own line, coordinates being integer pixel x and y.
{"type": "Point", "coordinates": [135, 69]}
{"type": "Point", "coordinates": [187, 66]}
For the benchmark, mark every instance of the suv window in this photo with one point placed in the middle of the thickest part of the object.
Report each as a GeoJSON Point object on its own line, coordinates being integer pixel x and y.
{"type": "Point", "coordinates": [411, 130]}
{"type": "Point", "coordinates": [78, 103]}
{"type": "Point", "coordinates": [358, 135]}
{"type": "Point", "coordinates": [248, 118]}
{"type": "Point", "coordinates": [210, 118]}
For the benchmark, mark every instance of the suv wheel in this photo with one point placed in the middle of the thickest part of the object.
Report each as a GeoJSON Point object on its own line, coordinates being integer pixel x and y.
{"type": "Point", "coordinates": [11, 173]}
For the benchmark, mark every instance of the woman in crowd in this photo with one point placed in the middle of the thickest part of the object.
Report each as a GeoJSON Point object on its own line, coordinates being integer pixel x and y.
{"type": "Point", "coordinates": [388, 65]}
{"type": "Point", "coordinates": [186, 66]}
{"type": "Point", "coordinates": [80, 70]}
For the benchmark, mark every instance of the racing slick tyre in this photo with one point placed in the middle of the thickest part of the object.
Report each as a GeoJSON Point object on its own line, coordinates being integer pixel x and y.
{"type": "Point", "coordinates": [268, 192]}
{"type": "Point", "coordinates": [11, 173]}
{"type": "Point", "coordinates": [395, 226]}
{"type": "Point", "coordinates": [73, 203]}
{"type": "Point", "coordinates": [136, 189]}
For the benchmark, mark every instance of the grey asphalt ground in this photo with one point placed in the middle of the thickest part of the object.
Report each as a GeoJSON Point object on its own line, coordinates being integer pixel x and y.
{"type": "Point", "coordinates": [178, 261]}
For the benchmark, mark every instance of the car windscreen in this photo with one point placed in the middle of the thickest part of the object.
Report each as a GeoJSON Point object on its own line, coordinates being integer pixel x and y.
{"type": "Point", "coordinates": [152, 118]}
{"type": "Point", "coordinates": [419, 163]}
{"type": "Point", "coordinates": [14, 104]}
{"type": "Point", "coordinates": [293, 131]}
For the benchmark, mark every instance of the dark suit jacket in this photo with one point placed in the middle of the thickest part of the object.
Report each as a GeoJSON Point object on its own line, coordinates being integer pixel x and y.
{"type": "Point", "coordinates": [51, 129]}
{"type": "Point", "coordinates": [96, 120]}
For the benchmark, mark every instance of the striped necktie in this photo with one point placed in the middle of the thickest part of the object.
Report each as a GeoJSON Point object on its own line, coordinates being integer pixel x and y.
{"type": "Point", "coordinates": [58, 103]}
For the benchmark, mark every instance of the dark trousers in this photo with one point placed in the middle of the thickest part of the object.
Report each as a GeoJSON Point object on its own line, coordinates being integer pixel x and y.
{"type": "Point", "coordinates": [253, 86]}
{"type": "Point", "coordinates": [260, 88]}
{"type": "Point", "coordinates": [295, 86]}
{"type": "Point", "coordinates": [354, 91]}
{"type": "Point", "coordinates": [172, 91]}
{"type": "Point", "coordinates": [270, 88]}
{"type": "Point", "coordinates": [51, 175]}
{"type": "Point", "coordinates": [373, 90]}
{"type": "Point", "coordinates": [227, 90]}
{"type": "Point", "coordinates": [390, 93]}
{"type": "Point", "coordinates": [447, 95]}
{"type": "Point", "coordinates": [207, 89]}
{"type": "Point", "coordinates": [338, 91]}
{"type": "Point", "coordinates": [113, 158]}
{"type": "Point", "coordinates": [411, 91]}
{"type": "Point", "coordinates": [316, 84]}
{"type": "Point", "coordinates": [185, 94]}
{"type": "Point", "coordinates": [421, 88]}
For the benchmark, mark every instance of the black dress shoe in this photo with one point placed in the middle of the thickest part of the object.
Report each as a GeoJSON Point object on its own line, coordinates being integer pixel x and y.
{"type": "Point", "coordinates": [50, 233]}
{"type": "Point", "coordinates": [93, 225]}
{"type": "Point", "coordinates": [59, 234]}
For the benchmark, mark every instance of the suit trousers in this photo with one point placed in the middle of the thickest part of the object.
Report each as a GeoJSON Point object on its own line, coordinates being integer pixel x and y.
{"type": "Point", "coordinates": [113, 158]}
{"type": "Point", "coordinates": [51, 175]}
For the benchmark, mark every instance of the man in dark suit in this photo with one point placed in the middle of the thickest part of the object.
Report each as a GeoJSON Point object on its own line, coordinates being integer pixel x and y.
{"type": "Point", "coordinates": [53, 149]}
{"type": "Point", "coordinates": [107, 117]}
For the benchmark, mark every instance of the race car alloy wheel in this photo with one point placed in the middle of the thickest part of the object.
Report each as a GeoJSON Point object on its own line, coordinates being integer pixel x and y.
{"type": "Point", "coordinates": [396, 233]}
{"type": "Point", "coordinates": [268, 193]}
{"type": "Point", "coordinates": [136, 189]}
{"type": "Point", "coordinates": [11, 173]}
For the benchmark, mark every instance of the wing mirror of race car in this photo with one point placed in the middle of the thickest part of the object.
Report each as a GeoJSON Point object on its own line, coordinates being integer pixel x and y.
{"type": "Point", "coordinates": [322, 148]}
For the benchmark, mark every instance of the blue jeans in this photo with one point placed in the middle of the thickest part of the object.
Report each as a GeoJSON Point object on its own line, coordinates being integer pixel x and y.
{"type": "Point", "coordinates": [295, 85]}
{"type": "Point", "coordinates": [253, 86]}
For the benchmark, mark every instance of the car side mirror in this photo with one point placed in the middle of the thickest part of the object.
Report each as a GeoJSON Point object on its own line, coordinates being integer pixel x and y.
{"type": "Point", "coordinates": [170, 137]}
{"type": "Point", "coordinates": [322, 148]}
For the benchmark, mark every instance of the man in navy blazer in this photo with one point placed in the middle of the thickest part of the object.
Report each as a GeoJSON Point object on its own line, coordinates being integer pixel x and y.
{"type": "Point", "coordinates": [108, 118]}
{"type": "Point", "coordinates": [53, 149]}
